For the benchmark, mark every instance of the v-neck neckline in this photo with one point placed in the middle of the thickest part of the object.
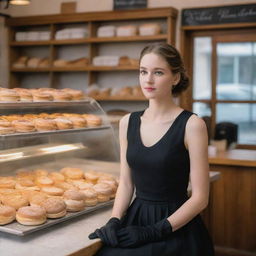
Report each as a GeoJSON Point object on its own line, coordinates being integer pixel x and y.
{"type": "Point", "coordinates": [164, 135]}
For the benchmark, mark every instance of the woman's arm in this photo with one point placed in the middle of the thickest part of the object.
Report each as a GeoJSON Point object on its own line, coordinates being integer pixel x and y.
{"type": "Point", "coordinates": [125, 189]}
{"type": "Point", "coordinates": [196, 141]}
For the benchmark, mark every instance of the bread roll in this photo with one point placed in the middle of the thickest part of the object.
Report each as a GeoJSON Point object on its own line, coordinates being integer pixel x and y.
{"type": "Point", "coordinates": [31, 215]}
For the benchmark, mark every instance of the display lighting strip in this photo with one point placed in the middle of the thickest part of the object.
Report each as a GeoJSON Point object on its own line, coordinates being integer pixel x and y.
{"type": "Point", "coordinates": [32, 151]}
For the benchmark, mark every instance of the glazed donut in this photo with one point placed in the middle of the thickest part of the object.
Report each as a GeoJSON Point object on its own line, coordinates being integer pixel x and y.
{"type": "Point", "coordinates": [112, 183]}
{"type": "Point", "coordinates": [92, 120]}
{"type": "Point", "coordinates": [55, 208]}
{"type": "Point", "coordinates": [9, 95]}
{"type": "Point", "coordinates": [23, 125]}
{"type": "Point", "coordinates": [75, 200]}
{"type": "Point", "coordinates": [104, 191]}
{"type": "Point", "coordinates": [72, 173]}
{"type": "Point", "coordinates": [15, 200]}
{"type": "Point", "coordinates": [82, 184]}
{"type": "Point", "coordinates": [52, 191]}
{"type": "Point", "coordinates": [31, 215]}
{"type": "Point", "coordinates": [7, 214]}
{"type": "Point", "coordinates": [63, 123]}
{"type": "Point", "coordinates": [91, 197]}
{"type": "Point", "coordinates": [43, 124]}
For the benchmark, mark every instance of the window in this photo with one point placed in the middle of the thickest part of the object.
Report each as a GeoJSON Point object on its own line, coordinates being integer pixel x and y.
{"type": "Point", "coordinates": [224, 83]}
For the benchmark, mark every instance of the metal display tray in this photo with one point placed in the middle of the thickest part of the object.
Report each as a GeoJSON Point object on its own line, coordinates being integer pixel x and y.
{"type": "Point", "coordinates": [36, 133]}
{"type": "Point", "coordinates": [21, 230]}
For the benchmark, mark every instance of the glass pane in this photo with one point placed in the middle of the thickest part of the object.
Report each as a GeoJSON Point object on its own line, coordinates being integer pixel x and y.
{"type": "Point", "coordinates": [202, 68]}
{"type": "Point", "coordinates": [202, 109]}
{"type": "Point", "coordinates": [236, 78]}
{"type": "Point", "coordinates": [246, 120]}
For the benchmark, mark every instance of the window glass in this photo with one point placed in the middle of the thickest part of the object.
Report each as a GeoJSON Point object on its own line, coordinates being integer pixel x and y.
{"type": "Point", "coordinates": [202, 68]}
{"type": "Point", "coordinates": [242, 114]}
{"type": "Point", "coordinates": [236, 71]}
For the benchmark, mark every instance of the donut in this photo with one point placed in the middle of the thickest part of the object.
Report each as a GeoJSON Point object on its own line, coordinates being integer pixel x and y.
{"type": "Point", "coordinates": [77, 121]}
{"type": "Point", "coordinates": [104, 191]}
{"type": "Point", "coordinates": [43, 124]}
{"type": "Point", "coordinates": [72, 173]}
{"type": "Point", "coordinates": [91, 196]}
{"type": "Point", "coordinates": [23, 125]}
{"type": "Point", "coordinates": [75, 200]}
{"type": "Point", "coordinates": [15, 200]}
{"type": "Point", "coordinates": [43, 181]}
{"type": "Point", "coordinates": [7, 214]}
{"type": "Point", "coordinates": [76, 94]}
{"type": "Point", "coordinates": [56, 176]}
{"type": "Point", "coordinates": [63, 123]}
{"type": "Point", "coordinates": [40, 172]}
{"type": "Point", "coordinates": [92, 120]}
{"type": "Point", "coordinates": [53, 191]}
{"type": "Point", "coordinates": [9, 95]}
{"type": "Point", "coordinates": [64, 185]}
{"type": "Point", "coordinates": [61, 96]}
{"type": "Point", "coordinates": [91, 176]}
{"type": "Point", "coordinates": [39, 96]}
{"type": "Point", "coordinates": [31, 215]}
{"type": "Point", "coordinates": [36, 198]}
{"type": "Point", "coordinates": [7, 182]}
{"type": "Point", "coordinates": [55, 208]}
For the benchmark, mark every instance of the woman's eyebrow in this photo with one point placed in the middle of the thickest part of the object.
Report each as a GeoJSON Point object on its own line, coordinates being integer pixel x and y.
{"type": "Point", "coordinates": [153, 68]}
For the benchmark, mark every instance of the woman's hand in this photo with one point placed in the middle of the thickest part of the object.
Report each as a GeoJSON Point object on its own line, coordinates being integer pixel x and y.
{"type": "Point", "coordinates": [132, 236]}
{"type": "Point", "coordinates": [107, 233]}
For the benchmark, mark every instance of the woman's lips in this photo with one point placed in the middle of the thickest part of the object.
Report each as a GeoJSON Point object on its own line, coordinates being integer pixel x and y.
{"type": "Point", "coordinates": [149, 89]}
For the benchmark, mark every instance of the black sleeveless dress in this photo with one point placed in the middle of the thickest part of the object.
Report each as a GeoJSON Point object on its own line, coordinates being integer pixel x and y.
{"type": "Point", "coordinates": [161, 174]}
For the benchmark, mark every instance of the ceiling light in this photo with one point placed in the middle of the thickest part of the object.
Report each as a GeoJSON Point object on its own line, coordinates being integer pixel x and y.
{"type": "Point", "coordinates": [20, 2]}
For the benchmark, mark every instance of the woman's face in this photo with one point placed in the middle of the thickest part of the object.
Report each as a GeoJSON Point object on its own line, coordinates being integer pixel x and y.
{"type": "Point", "coordinates": [156, 77]}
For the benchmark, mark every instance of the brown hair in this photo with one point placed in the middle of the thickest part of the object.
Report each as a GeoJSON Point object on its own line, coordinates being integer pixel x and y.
{"type": "Point", "coordinates": [171, 55]}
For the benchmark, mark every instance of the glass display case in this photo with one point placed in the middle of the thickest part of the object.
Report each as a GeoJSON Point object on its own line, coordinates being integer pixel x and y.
{"type": "Point", "coordinates": [81, 146]}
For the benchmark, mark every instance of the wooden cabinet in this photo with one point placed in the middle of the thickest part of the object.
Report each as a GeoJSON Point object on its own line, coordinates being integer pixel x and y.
{"type": "Point", "coordinates": [89, 47]}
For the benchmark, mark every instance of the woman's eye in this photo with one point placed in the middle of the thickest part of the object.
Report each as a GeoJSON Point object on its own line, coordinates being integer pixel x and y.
{"type": "Point", "coordinates": [159, 73]}
{"type": "Point", "coordinates": [143, 72]}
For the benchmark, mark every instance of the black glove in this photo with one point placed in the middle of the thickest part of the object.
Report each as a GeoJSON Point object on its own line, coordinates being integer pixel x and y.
{"type": "Point", "coordinates": [132, 236]}
{"type": "Point", "coordinates": [107, 233]}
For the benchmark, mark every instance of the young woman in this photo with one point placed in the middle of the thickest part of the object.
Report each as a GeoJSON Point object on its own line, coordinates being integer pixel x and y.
{"type": "Point", "coordinates": [162, 148]}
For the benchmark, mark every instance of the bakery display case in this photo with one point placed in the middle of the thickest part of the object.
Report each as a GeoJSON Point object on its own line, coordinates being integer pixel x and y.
{"type": "Point", "coordinates": [42, 155]}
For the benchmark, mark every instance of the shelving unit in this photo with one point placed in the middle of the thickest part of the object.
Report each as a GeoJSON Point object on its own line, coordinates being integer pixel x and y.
{"type": "Point", "coordinates": [91, 46]}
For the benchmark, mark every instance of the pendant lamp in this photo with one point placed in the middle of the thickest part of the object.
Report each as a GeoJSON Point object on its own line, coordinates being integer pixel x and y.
{"type": "Point", "coordinates": [19, 2]}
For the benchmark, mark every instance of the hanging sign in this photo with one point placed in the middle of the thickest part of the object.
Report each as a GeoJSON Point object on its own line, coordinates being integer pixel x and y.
{"type": "Point", "coordinates": [219, 15]}
{"type": "Point", "coordinates": [129, 4]}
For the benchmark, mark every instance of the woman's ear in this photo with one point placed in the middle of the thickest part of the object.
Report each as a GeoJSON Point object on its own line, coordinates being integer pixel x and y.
{"type": "Point", "coordinates": [176, 78]}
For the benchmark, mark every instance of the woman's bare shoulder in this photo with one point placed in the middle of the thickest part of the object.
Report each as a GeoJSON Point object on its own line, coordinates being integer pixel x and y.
{"type": "Point", "coordinates": [123, 124]}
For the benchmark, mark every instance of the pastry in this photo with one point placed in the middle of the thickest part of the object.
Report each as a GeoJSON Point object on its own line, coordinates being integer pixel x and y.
{"type": "Point", "coordinates": [15, 200]}
{"type": "Point", "coordinates": [44, 63]}
{"type": "Point", "coordinates": [33, 62]}
{"type": "Point", "coordinates": [64, 185]}
{"type": "Point", "coordinates": [52, 191]}
{"type": "Point", "coordinates": [36, 198]}
{"type": "Point", "coordinates": [78, 62]}
{"type": "Point", "coordinates": [7, 182]}
{"type": "Point", "coordinates": [76, 94]}
{"type": "Point", "coordinates": [43, 124]}
{"type": "Point", "coordinates": [92, 120]}
{"type": "Point", "coordinates": [55, 208]}
{"type": "Point", "coordinates": [61, 96]}
{"type": "Point", "coordinates": [75, 200]}
{"type": "Point", "coordinates": [56, 176]}
{"type": "Point", "coordinates": [41, 96]}
{"type": "Point", "coordinates": [6, 127]}
{"type": "Point", "coordinates": [60, 63]}
{"type": "Point", "coordinates": [78, 122]}
{"type": "Point", "coordinates": [91, 176]}
{"type": "Point", "coordinates": [43, 181]}
{"type": "Point", "coordinates": [7, 214]}
{"type": "Point", "coordinates": [72, 173]}
{"type": "Point", "coordinates": [9, 95]}
{"type": "Point", "coordinates": [23, 126]}
{"type": "Point", "coordinates": [91, 196]}
{"type": "Point", "coordinates": [31, 215]}
{"type": "Point", "coordinates": [40, 172]}
{"type": "Point", "coordinates": [21, 62]}
{"type": "Point", "coordinates": [126, 30]}
{"type": "Point", "coordinates": [63, 123]}
{"type": "Point", "coordinates": [24, 94]}
{"type": "Point", "coordinates": [26, 184]}
{"type": "Point", "coordinates": [149, 29]}
{"type": "Point", "coordinates": [104, 191]}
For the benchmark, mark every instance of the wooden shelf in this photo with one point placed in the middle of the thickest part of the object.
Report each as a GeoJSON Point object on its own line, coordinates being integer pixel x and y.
{"type": "Point", "coordinates": [76, 69]}
{"type": "Point", "coordinates": [165, 17]}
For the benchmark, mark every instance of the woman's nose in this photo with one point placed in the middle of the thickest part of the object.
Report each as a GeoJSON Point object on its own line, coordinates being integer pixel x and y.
{"type": "Point", "coordinates": [150, 78]}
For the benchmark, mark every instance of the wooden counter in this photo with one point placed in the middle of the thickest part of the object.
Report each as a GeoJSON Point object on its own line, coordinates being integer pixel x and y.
{"type": "Point", "coordinates": [232, 208]}
{"type": "Point", "coordinates": [67, 238]}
